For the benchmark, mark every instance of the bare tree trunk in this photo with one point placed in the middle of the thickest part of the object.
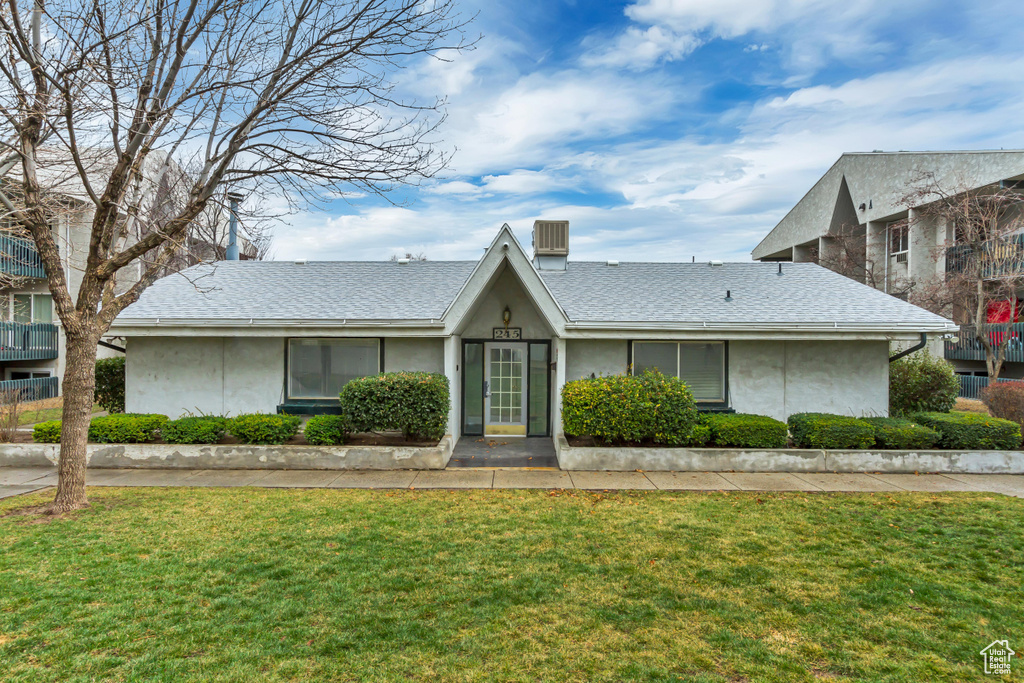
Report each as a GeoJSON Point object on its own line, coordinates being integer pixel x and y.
{"type": "Point", "coordinates": [78, 388]}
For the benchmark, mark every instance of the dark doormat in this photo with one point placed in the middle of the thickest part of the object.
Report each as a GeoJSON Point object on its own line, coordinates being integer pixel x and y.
{"type": "Point", "coordinates": [504, 451]}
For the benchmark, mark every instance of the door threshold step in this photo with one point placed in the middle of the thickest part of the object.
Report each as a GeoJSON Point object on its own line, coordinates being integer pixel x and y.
{"type": "Point", "coordinates": [513, 469]}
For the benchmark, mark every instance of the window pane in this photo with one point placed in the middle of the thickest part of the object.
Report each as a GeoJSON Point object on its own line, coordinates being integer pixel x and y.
{"type": "Point", "coordinates": [539, 390]}
{"type": "Point", "coordinates": [702, 367]}
{"type": "Point", "coordinates": [654, 356]}
{"type": "Point", "coordinates": [43, 312]}
{"type": "Point", "coordinates": [319, 368]}
{"type": "Point", "coordinates": [474, 369]}
{"type": "Point", "coordinates": [22, 308]}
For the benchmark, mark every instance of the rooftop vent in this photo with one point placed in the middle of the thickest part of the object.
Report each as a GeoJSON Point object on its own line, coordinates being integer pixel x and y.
{"type": "Point", "coordinates": [550, 244]}
{"type": "Point", "coordinates": [300, 261]}
{"type": "Point", "coordinates": [716, 262]}
{"type": "Point", "coordinates": [403, 261]}
{"type": "Point", "coordinates": [613, 263]}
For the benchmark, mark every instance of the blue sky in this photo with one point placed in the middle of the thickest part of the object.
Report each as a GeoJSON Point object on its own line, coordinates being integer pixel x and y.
{"type": "Point", "coordinates": [668, 129]}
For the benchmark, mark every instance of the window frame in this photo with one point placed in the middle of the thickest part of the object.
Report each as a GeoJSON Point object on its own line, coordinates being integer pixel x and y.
{"type": "Point", "coordinates": [724, 401]}
{"type": "Point", "coordinates": [904, 240]}
{"type": "Point", "coordinates": [9, 307]}
{"type": "Point", "coordinates": [288, 363]}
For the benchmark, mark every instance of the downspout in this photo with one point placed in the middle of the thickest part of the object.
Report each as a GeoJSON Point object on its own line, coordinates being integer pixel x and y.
{"type": "Point", "coordinates": [915, 347]}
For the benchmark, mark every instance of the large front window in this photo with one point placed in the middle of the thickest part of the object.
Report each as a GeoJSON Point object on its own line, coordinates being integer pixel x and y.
{"type": "Point", "coordinates": [319, 368]}
{"type": "Point", "coordinates": [700, 364]}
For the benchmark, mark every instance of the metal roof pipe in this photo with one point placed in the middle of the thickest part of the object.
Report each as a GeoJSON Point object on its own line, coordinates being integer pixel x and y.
{"type": "Point", "coordinates": [916, 347]}
{"type": "Point", "coordinates": [231, 254]}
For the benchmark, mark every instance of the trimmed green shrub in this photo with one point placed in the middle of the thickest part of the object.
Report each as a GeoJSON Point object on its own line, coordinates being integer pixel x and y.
{"type": "Point", "coordinates": [326, 430]}
{"type": "Point", "coordinates": [125, 428]}
{"type": "Point", "coordinates": [822, 430]}
{"type": "Point", "coordinates": [416, 403]}
{"type": "Point", "coordinates": [632, 409]}
{"type": "Point", "coordinates": [1005, 400]}
{"type": "Point", "coordinates": [901, 434]}
{"type": "Point", "coordinates": [921, 382]}
{"type": "Point", "coordinates": [109, 391]}
{"type": "Point", "coordinates": [739, 430]}
{"type": "Point", "coordinates": [47, 432]}
{"type": "Point", "coordinates": [263, 429]}
{"type": "Point", "coordinates": [194, 429]}
{"type": "Point", "coordinates": [972, 431]}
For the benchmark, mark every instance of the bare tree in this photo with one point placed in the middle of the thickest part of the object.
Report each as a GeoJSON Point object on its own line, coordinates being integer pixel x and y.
{"type": "Point", "coordinates": [409, 256]}
{"type": "Point", "coordinates": [984, 258]}
{"type": "Point", "coordinates": [847, 254]}
{"type": "Point", "coordinates": [294, 98]}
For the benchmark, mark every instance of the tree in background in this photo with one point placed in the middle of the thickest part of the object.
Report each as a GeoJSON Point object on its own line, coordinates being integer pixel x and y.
{"type": "Point", "coordinates": [292, 99]}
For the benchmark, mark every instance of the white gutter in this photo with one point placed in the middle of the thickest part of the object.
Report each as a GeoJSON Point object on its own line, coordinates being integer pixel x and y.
{"type": "Point", "coordinates": [767, 326]}
{"type": "Point", "coordinates": [272, 322]}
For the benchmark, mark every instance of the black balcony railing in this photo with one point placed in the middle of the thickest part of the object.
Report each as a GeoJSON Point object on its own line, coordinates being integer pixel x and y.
{"type": "Point", "coordinates": [969, 347]}
{"type": "Point", "coordinates": [18, 256]}
{"type": "Point", "coordinates": [31, 389]}
{"type": "Point", "coordinates": [28, 341]}
{"type": "Point", "coordinates": [997, 258]}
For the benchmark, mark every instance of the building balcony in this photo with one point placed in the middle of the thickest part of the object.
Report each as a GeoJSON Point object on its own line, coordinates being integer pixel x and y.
{"type": "Point", "coordinates": [28, 341]}
{"type": "Point", "coordinates": [18, 256]}
{"type": "Point", "coordinates": [969, 348]}
{"type": "Point", "coordinates": [999, 258]}
{"type": "Point", "coordinates": [32, 389]}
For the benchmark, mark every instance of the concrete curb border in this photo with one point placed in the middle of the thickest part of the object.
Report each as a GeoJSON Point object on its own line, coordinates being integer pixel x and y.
{"type": "Point", "coordinates": [612, 459]}
{"type": "Point", "coordinates": [214, 456]}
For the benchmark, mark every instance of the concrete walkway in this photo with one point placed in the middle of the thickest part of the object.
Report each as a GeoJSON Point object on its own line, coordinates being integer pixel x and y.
{"type": "Point", "coordinates": [15, 481]}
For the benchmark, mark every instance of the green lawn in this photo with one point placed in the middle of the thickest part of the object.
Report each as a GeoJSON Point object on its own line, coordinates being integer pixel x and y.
{"type": "Point", "coordinates": [32, 416]}
{"type": "Point", "coordinates": [255, 584]}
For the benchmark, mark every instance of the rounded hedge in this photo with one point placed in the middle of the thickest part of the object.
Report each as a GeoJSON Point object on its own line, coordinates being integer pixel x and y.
{"type": "Point", "coordinates": [125, 428]}
{"type": "Point", "coordinates": [632, 409]}
{"type": "Point", "coordinates": [972, 431]}
{"type": "Point", "coordinates": [901, 434]}
{"type": "Point", "coordinates": [47, 432]}
{"type": "Point", "coordinates": [194, 429]}
{"type": "Point", "coordinates": [326, 430]}
{"type": "Point", "coordinates": [823, 430]}
{"type": "Point", "coordinates": [921, 382]}
{"type": "Point", "coordinates": [740, 430]}
{"type": "Point", "coordinates": [263, 429]}
{"type": "Point", "coordinates": [415, 403]}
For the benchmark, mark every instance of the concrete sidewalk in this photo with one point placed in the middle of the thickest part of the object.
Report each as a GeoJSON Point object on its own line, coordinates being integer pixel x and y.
{"type": "Point", "coordinates": [15, 481]}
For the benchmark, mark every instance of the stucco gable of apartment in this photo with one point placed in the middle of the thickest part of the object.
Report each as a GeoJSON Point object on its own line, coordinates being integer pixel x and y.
{"type": "Point", "coordinates": [871, 187]}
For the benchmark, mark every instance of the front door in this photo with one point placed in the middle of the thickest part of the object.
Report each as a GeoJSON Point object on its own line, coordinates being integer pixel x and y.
{"type": "Point", "coordinates": [505, 388]}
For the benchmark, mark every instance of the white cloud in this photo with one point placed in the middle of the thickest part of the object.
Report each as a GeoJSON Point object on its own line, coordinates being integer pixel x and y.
{"type": "Point", "coordinates": [643, 48]}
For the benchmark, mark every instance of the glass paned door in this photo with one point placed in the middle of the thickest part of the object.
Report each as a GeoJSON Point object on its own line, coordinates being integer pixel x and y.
{"type": "Point", "coordinates": [504, 389]}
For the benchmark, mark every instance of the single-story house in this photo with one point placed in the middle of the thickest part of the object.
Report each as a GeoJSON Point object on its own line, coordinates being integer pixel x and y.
{"type": "Point", "coordinates": [510, 330]}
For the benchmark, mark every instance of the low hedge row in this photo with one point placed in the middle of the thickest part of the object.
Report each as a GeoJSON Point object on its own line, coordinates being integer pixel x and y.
{"type": "Point", "coordinates": [125, 428]}
{"type": "Point", "coordinates": [900, 434]}
{"type": "Point", "coordinates": [263, 429]}
{"type": "Point", "coordinates": [326, 430]}
{"type": "Point", "coordinates": [740, 430]}
{"type": "Point", "coordinates": [822, 430]}
{"type": "Point", "coordinates": [194, 429]}
{"type": "Point", "coordinates": [972, 431]}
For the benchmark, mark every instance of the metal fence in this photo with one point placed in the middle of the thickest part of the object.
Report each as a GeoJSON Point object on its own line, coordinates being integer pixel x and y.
{"type": "Point", "coordinates": [971, 386]}
{"type": "Point", "coordinates": [28, 341]}
{"type": "Point", "coordinates": [32, 389]}
{"type": "Point", "coordinates": [18, 256]}
{"type": "Point", "coordinates": [969, 348]}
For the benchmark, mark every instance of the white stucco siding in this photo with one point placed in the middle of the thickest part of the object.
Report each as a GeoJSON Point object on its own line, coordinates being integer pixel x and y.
{"type": "Point", "coordinates": [595, 356]}
{"type": "Point", "coordinates": [779, 378]}
{"type": "Point", "coordinates": [421, 355]}
{"type": "Point", "coordinates": [214, 375]}
{"type": "Point", "coordinates": [486, 313]}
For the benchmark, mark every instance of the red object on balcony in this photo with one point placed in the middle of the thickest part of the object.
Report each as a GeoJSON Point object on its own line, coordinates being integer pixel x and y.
{"type": "Point", "coordinates": [1005, 311]}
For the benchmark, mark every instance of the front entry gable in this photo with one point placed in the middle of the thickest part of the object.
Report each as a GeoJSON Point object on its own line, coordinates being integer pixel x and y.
{"type": "Point", "coordinates": [504, 276]}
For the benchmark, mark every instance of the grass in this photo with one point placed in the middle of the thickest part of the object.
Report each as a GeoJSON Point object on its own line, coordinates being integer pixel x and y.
{"type": "Point", "coordinates": [253, 584]}
{"type": "Point", "coordinates": [31, 416]}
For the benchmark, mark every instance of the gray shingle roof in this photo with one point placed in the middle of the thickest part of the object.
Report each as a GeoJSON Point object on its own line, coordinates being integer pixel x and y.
{"type": "Point", "coordinates": [318, 290]}
{"type": "Point", "coordinates": [588, 292]}
{"type": "Point", "coordinates": [695, 292]}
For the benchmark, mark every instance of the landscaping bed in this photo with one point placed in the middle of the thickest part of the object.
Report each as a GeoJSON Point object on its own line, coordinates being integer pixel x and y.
{"type": "Point", "coordinates": [260, 584]}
